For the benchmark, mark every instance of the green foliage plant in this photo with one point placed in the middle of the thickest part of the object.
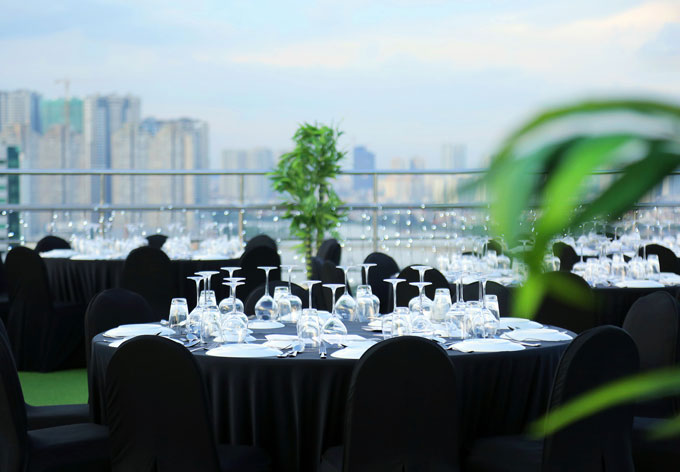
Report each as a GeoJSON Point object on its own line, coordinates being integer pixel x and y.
{"type": "Point", "coordinates": [304, 177]}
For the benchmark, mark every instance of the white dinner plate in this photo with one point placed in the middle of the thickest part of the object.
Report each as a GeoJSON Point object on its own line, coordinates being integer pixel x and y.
{"type": "Point", "coordinates": [355, 351]}
{"type": "Point", "coordinates": [544, 334]}
{"type": "Point", "coordinates": [487, 345]}
{"type": "Point", "coordinates": [264, 324]}
{"type": "Point", "coordinates": [130, 330]}
{"type": "Point", "coordinates": [639, 284]}
{"type": "Point", "coordinates": [244, 350]}
{"type": "Point", "coordinates": [508, 322]}
{"type": "Point", "coordinates": [58, 253]}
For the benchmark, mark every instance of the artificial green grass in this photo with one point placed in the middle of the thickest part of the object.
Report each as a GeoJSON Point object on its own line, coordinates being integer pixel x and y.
{"type": "Point", "coordinates": [54, 388]}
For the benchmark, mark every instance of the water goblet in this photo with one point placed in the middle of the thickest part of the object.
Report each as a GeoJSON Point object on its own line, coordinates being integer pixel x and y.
{"type": "Point", "coordinates": [177, 319]}
{"type": "Point", "coordinates": [235, 323]}
{"type": "Point", "coordinates": [401, 322]}
{"type": "Point", "coordinates": [309, 327]}
{"type": "Point", "coordinates": [211, 329]}
{"type": "Point", "coordinates": [334, 330]}
{"type": "Point", "coordinates": [415, 304]}
{"type": "Point", "coordinates": [293, 300]}
{"type": "Point", "coordinates": [653, 267]}
{"type": "Point", "coordinates": [346, 305]}
{"type": "Point", "coordinates": [282, 303]}
{"type": "Point", "coordinates": [266, 308]}
{"type": "Point", "coordinates": [420, 325]}
{"type": "Point", "coordinates": [440, 305]}
{"type": "Point", "coordinates": [455, 322]}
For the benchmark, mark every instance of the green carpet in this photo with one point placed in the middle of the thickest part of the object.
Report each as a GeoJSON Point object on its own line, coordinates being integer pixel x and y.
{"type": "Point", "coordinates": [54, 388]}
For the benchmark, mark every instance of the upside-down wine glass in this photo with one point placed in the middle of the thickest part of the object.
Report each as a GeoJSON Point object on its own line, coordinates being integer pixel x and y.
{"type": "Point", "coordinates": [308, 325]}
{"type": "Point", "coordinates": [207, 275]}
{"type": "Point", "coordinates": [266, 308]}
{"type": "Point", "coordinates": [293, 300]}
{"type": "Point", "coordinates": [387, 320]}
{"type": "Point", "coordinates": [235, 323]}
{"type": "Point", "coordinates": [194, 321]}
{"type": "Point", "coordinates": [376, 300]}
{"type": "Point", "coordinates": [415, 303]}
{"type": "Point", "coordinates": [346, 305]}
{"type": "Point", "coordinates": [334, 330]}
{"type": "Point", "coordinates": [225, 304]}
{"type": "Point", "coordinates": [421, 326]}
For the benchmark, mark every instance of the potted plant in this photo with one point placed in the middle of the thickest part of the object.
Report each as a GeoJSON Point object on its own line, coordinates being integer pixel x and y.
{"type": "Point", "coordinates": [304, 177]}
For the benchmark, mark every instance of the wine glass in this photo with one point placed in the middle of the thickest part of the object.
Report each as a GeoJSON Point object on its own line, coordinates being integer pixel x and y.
{"type": "Point", "coordinates": [334, 330]}
{"type": "Point", "coordinates": [293, 300]}
{"type": "Point", "coordinates": [346, 305]}
{"type": "Point", "coordinates": [394, 283]}
{"type": "Point", "coordinates": [310, 284]}
{"type": "Point", "coordinates": [366, 308]}
{"type": "Point", "coordinates": [235, 323]}
{"type": "Point", "coordinates": [376, 300]}
{"type": "Point", "coordinates": [194, 322]}
{"type": "Point", "coordinates": [421, 326]}
{"type": "Point", "coordinates": [266, 308]}
{"type": "Point", "coordinates": [415, 303]}
{"type": "Point", "coordinates": [211, 329]}
{"type": "Point", "coordinates": [225, 304]}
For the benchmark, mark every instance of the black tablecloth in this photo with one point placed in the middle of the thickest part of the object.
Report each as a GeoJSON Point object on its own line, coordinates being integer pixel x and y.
{"type": "Point", "coordinates": [294, 407]}
{"type": "Point", "coordinates": [77, 281]}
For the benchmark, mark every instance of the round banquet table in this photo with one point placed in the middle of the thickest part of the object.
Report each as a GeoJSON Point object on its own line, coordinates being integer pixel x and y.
{"type": "Point", "coordinates": [77, 281]}
{"type": "Point", "coordinates": [294, 407]}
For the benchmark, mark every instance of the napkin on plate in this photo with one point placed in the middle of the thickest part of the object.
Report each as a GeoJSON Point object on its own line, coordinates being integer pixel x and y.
{"type": "Point", "coordinates": [244, 350]}
{"type": "Point", "coordinates": [265, 324]}
{"type": "Point", "coordinates": [354, 351]}
{"type": "Point", "coordinates": [543, 334]}
{"type": "Point", "coordinates": [486, 345]}
{"type": "Point", "coordinates": [638, 284]}
{"type": "Point", "coordinates": [138, 330]}
{"type": "Point", "coordinates": [518, 323]}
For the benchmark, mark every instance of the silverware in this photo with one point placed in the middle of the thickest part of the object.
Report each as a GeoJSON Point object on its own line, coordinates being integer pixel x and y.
{"type": "Point", "coordinates": [198, 349]}
{"type": "Point", "coordinates": [322, 350]}
{"type": "Point", "coordinates": [285, 353]}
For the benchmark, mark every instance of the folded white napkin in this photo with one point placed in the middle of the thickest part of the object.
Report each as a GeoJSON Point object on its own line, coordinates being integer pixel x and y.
{"type": "Point", "coordinates": [543, 334]}
{"type": "Point", "coordinates": [138, 330]}
{"type": "Point", "coordinates": [486, 345]}
{"type": "Point", "coordinates": [518, 323]}
{"type": "Point", "coordinates": [244, 350]}
{"type": "Point", "coordinates": [262, 324]}
{"type": "Point", "coordinates": [355, 351]}
{"type": "Point", "coordinates": [344, 340]}
{"type": "Point", "coordinates": [638, 284]}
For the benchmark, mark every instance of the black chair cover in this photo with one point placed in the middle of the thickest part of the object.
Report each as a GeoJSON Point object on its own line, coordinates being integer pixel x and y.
{"type": "Point", "coordinates": [316, 268]}
{"type": "Point", "coordinates": [259, 241]}
{"type": "Point", "coordinates": [574, 314]}
{"type": "Point", "coordinates": [158, 412]}
{"type": "Point", "coordinates": [668, 261]}
{"type": "Point", "coordinates": [598, 443]}
{"type": "Point", "coordinates": [566, 254]}
{"type": "Point", "coordinates": [249, 305]}
{"type": "Point", "coordinates": [43, 337]}
{"type": "Point", "coordinates": [401, 410]}
{"type": "Point", "coordinates": [156, 240]}
{"type": "Point", "coordinates": [330, 250]}
{"type": "Point", "coordinates": [39, 417]}
{"type": "Point", "coordinates": [386, 267]}
{"type": "Point", "coordinates": [405, 291]}
{"type": "Point", "coordinates": [51, 242]}
{"type": "Point", "coordinates": [494, 245]}
{"type": "Point", "coordinates": [147, 272]}
{"type": "Point", "coordinates": [75, 447]}
{"type": "Point", "coordinates": [251, 259]}
{"type": "Point", "coordinates": [111, 308]}
{"type": "Point", "coordinates": [4, 295]}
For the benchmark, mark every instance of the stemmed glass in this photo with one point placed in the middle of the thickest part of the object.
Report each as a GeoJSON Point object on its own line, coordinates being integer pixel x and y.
{"type": "Point", "coordinates": [308, 325]}
{"type": "Point", "coordinates": [421, 326]}
{"type": "Point", "coordinates": [293, 300]}
{"type": "Point", "coordinates": [334, 330]}
{"type": "Point", "coordinates": [235, 323]}
{"type": "Point", "coordinates": [194, 322]}
{"type": "Point", "coordinates": [208, 295]}
{"type": "Point", "coordinates": [346, 305]}
{"type": "Point", "coordinates": [388, 320]}
{"type": "Point", "coordinates": [376, 300]}
{"type": "Point", "coordinates": [310, 284]}
{"type": "Point", "coordinates": [415, 304]}
{"type": "Point", "coordinates": [266, 307]}
{"type": "Point", "coordinates": [225, 304]}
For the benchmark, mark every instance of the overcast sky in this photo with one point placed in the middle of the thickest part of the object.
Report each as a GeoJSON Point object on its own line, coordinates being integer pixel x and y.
{"type": "Point", "coordinates": [401, 77]}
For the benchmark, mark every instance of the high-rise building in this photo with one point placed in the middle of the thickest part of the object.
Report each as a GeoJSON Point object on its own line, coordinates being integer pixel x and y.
{"type": "Point", "coordinates": [9, 193]}
{"type": "Point", "coordinates": [20, 107]}
{"type": "Point", "coordinates": [52, 112]}
{"type": "Point", "coordinates": [454, 156]}
{"type": "Point", "coordinates": [363, 160]}
{"type": "Point", "coordinates": [256, 187]}
{"type": "Point", "coordinates": [103, 116]}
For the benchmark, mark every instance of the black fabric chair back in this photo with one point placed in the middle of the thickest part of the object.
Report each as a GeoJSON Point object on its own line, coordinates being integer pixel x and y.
{"type": "Point", "coordinates": [147, 272]}
{"type": "Point", "coordinates": [668, 261]}
{"type": "Point", "coordinates": [259, 241]}
{"type": "Point", "coordinates": [157, 409]}
{"type": "Point", "coordinates": [330, 250]}
{"type": "Point", "coordinates": [414, 377]}
{"type": "Point", "coordinates": [566, 254]}
{"type": "Point", "coordinates": [654, 324]}
{"type": "Point", "coordinates": [31, 317]}
{"type": "Point", "coordinates": [602, 441]}
{"type": "Point", "coordinates": [255, 295]}
{"type": "Point", "coordinates": [386, 267]}
{"type": "Point", "coordinates": [156, 240]}
{"type": "Point", "coordinates": [51, 242]}
{"type": "Point", "coordinates": [316, 268]}
{"type": "Point", "coordinates": [13, 422]}
{"type": "Point", "coordinates": [493, 245]}
{"type": "Point", "coordinates": [111, 308]}
{"type": "Point", "coordinates": [251, 259]}
{"type": "Point", "coordinates": [573, 312]}
{"type": "Point", "coordinates": [405, 291]}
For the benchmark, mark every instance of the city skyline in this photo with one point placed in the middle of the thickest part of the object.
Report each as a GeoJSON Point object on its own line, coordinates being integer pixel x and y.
{"type": "Point", "coordinates": [401, 77]}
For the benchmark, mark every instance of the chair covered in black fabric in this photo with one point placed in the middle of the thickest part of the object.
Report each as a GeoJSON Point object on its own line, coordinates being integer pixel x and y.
{"type": "Point", "coordinates": [316, 268]}
{"type": "Point", "coordinates": [111, 308]}
{"type": "Point", "coordinates": [158, 416]}
{"type": "Point", "coordinates": [330, 250]}
{"type": "Point", "coordinates": [255, 295]}
{"type": "Point", "coordinates": [147, 272]}
{"type": "Point", "coordinates": [406, 291]}
{"type": "Point", "coordinates": [572, 311]}
{"type": "Point", "coordinates": [654, 324]}
{"type": "Point", "coordinates": [251, 259]}
{"type": "Point", "coordinates": [493, 245]}
{"type": "Point", "coordinates": [73, 447]}
{"type": "Point", "coordinates": [4, 294]}
{"type": "Point", "coordinates": [386, 267]}
{"type": "Point", "coordinates": [51, 242]}
{"type": "Point", "coordinates": [597, 443]}
{"type": "Point", "coordinates": [44, 336]}
{"type": "Point", "coordinates": [668, 261]}
{"type": "Point", "coordinates": [39, 417]}
{"type": "Point", "coordinates": [566, 254]}
{"type": "Point", "coordinates": [156, 240]}
{"type": "Point", "coordinates": [259, 241]}
{"type": "Point", "coordinates": [411, 376]}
